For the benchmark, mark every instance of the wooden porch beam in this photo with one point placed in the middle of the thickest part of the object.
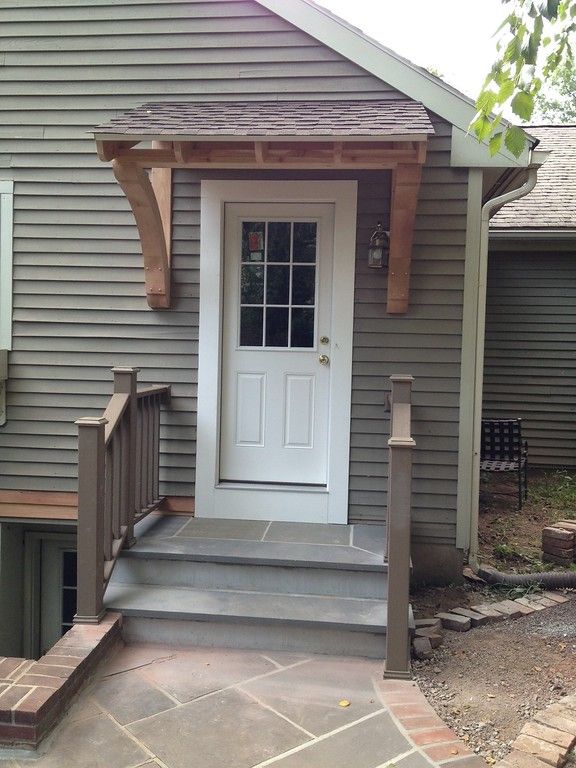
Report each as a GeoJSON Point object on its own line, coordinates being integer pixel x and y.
{"type": "Point", "coordinates": [108, 150]}
{"type": "Point", "coordinates": [138, 189]}
{"type": "Point", "coordinates": [274, 154]}
{"type": "Point", "coordinates": [405, 188]}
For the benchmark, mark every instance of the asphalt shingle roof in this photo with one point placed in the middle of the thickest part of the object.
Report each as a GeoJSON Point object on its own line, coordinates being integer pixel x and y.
{"type": "Point", "coordinates": [271, 118]}
{"type": "Point", "coordinates": [552, 203]}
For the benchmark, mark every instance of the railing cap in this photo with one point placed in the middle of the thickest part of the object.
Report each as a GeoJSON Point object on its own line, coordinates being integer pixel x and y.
{"type": "Point", "coordinates": [124, 369]}
{"type": "Point", "coordinates": [401, 377]}
{"type": "Point", "coordinates": [401, 442]}
{"type": "Point", "coordinates": [91, 421]}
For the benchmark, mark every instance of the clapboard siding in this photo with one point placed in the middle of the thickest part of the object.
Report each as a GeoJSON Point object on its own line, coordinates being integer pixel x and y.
{"type": "Point", "coordinates": [79, 303]}
{"type": "Point", "coordinates": [426, 342]}
{"type": "Point", "coordinates": [530, 352]}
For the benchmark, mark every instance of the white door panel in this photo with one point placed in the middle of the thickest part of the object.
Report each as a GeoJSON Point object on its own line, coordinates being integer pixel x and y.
{"type": "Point", "coordinates": [277, 304]}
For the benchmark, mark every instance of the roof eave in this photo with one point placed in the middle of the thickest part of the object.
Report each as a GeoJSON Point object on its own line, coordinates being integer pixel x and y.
{"type": "Point", "coordinates": [158, 136]}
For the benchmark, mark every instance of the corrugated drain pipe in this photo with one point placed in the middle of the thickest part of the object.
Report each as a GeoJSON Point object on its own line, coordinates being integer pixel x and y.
{"type": "Point", "coordinates": [550, 579]}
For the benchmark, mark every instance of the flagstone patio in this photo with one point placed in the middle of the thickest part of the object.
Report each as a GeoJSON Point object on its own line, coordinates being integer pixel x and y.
{"type": "Point", "coordinates": [154, 705]}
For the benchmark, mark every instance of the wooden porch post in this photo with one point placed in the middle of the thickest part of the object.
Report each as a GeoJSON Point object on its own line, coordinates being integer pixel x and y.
{"type": "Point", "coordinates": [91, 500]}
{"type": "Point", "coordinates": [126, 382]}
{"type": "Point", "coordinates": [400, 446]}
{"type": "Point", "coordinates": [405, 187]}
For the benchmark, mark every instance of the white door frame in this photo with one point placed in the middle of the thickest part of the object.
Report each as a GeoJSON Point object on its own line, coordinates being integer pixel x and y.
{"type": "Point", "coordinates": [330, 504]}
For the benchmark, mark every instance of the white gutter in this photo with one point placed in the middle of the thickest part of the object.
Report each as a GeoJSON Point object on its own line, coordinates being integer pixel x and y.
{"type": "Point", "coordinates": [537, 159]}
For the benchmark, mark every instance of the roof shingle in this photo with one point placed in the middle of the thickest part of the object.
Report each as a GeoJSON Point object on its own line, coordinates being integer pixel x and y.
{"type": "Point", "coordinates": [552, 203]}
{"type": "Point", "coordinates": [279, 119]}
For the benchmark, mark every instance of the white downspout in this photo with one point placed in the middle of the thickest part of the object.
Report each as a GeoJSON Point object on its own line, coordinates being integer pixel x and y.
{"type": "Point", "coordinates": [537, 159]}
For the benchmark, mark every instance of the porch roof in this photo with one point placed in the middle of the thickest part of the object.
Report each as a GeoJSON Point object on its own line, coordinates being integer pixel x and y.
{"type": "Point", "coordinates": [225, 120]}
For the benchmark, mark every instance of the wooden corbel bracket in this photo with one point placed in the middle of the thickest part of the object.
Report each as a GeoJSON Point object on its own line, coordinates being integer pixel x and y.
{"type": "Point", "coordinates": [151, 201]}
{"type": "Point", "coordinates": [405, 188]}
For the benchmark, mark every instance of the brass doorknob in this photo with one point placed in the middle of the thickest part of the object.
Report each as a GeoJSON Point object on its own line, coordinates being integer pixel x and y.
{"type": "Point", "coordinates": [323, 359]}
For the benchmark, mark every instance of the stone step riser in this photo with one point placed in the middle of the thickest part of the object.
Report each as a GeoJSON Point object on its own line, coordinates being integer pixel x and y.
{"type": "Point", "coordinates": [256, 636]}
{"type": "Point", "coordinates": [254, 578]}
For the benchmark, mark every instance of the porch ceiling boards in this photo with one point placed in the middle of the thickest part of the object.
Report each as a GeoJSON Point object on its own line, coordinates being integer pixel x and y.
{"type": "Point", "coordinates": [288, 135]}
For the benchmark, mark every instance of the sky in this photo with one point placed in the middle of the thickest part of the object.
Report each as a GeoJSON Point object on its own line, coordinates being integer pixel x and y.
{"type": "Point", "coordinates": [455, 37]}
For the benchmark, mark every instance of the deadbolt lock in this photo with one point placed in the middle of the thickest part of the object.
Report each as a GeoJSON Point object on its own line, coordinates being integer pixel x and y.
{"type": "Point", "coordinates": [324, 339]}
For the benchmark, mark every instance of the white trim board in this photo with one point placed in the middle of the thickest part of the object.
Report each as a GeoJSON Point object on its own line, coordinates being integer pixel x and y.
{"type": "Point", "coordinates": [330, 506]}
{"type": "Point", "coordinates": [6, 224]}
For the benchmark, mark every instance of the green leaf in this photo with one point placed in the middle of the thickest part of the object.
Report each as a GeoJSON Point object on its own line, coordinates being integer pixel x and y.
{"type": "Point", "coordinates": [482, 127]}
{"type": "Point", "coordinates": [515, 140]}
{"type": "Point", "coordinates": [486, 102]}
{"type": "Point", "coordinates": [551, 10]}
{"type": "Point", "coordinates": [506, 91]}
{"type": "Point", "coordinates": [495, 143]}
{"type": "Point", "coordinates": [523, 105]}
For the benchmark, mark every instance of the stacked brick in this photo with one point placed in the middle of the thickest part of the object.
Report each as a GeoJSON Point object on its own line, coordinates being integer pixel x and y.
{"type": "Point", "coordinates": [558, 542]}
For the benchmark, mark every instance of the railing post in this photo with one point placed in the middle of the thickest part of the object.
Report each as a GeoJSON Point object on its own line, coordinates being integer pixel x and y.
{"type": "Point", "coordinates": [126, 382]}
{"type": "Point", "coordinates": [400, 446]}
{"type": "Point", "coordinates": [91, 500]}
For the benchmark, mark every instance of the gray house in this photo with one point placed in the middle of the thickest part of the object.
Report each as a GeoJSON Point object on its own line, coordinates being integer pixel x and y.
{"type": "Point", "coordinates": [530, 356]}
{"type": "Point", "coordinates": [219, 230]}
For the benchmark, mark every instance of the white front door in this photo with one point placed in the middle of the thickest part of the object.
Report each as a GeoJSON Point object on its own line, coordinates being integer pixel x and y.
{"type": "Point", "coordinates": [275, 349]}
{"type": "Point", "coordinates": [276, 343]}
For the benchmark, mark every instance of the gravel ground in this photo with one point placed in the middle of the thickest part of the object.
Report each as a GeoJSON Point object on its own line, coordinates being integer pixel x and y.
{"type": "Point", "coordinates": [486, 683]}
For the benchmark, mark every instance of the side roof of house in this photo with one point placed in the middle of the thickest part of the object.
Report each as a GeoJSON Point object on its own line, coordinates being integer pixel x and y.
{"type": "Point", "coordinates": [552, 204]}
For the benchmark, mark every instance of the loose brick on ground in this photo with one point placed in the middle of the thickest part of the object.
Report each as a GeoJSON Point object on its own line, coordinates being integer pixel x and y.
{"type": "Point", "coordinates": [422, 648]}
{"type": "Point", "coordinates": [434, 624]}
{"type": "Point", "coordinates": [508, 608]}
{"type": "Point", "coordinates": [545, 601]}
{"type": "Point", "coordinates": [556, 596]}
{"type": "Point", "coordinates": [556, 533]}
{"type": "Point", "coordinates": [548, 753]}
{"type": "Point", "coordinates": [434, 637]}
{"type": "Point", "coordinates": [454, 622]}
{"type": "Point", "coordinates": [530, 603]}
{"type": "Point", "coordinates": [477, 619]}
{"type": "Point", "coordinates": [551, 735]}
{"type": "Point", "coordinates": [556, 720]}
{"type": "Point", "coordinates": [523, 608]}
{"type": "Point", "coordinates": [487, 610]}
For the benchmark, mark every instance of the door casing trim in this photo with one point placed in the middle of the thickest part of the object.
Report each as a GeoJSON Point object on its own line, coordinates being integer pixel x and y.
{"type": "Point", "coordinates": [214, 196]}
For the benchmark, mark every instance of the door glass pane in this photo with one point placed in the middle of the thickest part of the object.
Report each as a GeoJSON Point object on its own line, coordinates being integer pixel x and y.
{"type": "Point", "coordinates": [251, 326]}
{"type": "Point", "coordinates": [253, 241]}
{"type": "Point", "coordinates": [277, 284]}
{"type": "Point", "coordinates": [69, 563]}
{"type": "Point", "coordinates": [277, 327]}
{"type": "Point", "coordinates": [302, 332]}
{"type": "Point", "coordinates": [303, 285]}
{"type": "Point", "coordinates": [305, 241]}
{"type": "Point", "coordinates": [252, 284]}
{"type": "Point", "coordinates": [278, 241]}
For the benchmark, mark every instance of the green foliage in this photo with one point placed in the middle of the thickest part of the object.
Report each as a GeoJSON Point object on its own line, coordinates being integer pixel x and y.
{"type": "Point", "coordinates": [556, 490]}
{"type": "Point", "coordinates": [536, 40]}
{"type": "Point", "coordinates": [558, 105]}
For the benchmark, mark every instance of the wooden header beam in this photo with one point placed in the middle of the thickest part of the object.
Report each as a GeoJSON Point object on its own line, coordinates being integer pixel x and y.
{"type": "Point", "coordinates": [267, 154]}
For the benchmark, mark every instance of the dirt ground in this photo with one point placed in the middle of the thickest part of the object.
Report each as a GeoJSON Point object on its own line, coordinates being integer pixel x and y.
{"type": "Point", "coordinates": [488, 682]}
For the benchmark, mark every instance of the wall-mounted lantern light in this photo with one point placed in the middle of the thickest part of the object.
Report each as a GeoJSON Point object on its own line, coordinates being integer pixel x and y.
{"type": "Point", "coordinates": [379, 248]}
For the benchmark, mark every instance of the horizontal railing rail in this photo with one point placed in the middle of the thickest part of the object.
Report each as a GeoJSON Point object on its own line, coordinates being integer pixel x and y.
{"type": "Point", "coordinates": [400, 447]}
{"type": "Point", "coordinates": [118, 483]}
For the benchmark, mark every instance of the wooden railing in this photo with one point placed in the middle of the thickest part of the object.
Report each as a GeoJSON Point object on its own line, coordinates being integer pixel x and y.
{"type": "Point", "coordinates": [118, 483]}
{"type": "Point", "coordinates": [400, 446]}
